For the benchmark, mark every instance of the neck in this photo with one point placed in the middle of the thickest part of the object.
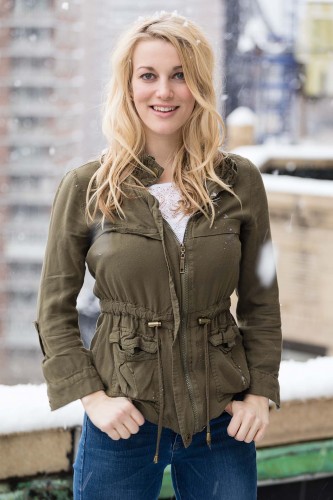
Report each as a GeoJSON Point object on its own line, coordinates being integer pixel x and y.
{"type": "Point", "coordinates": [163, 150]}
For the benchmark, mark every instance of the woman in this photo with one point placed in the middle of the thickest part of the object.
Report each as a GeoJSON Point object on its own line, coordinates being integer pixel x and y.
{"type": "Point", "coordinates": [169, 226]}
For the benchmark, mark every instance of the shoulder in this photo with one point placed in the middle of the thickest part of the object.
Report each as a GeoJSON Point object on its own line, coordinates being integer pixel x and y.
{"type": "Point", "coordinates": [79, 177]}
{"type": "Point", "coordinates": [85, 172]}
{"type": "Point", "coordinates": [246, 170]}
{"type": "Point", "coordinates": [244, 165]}
{"type": "Point", "coordinates": [235, 169]}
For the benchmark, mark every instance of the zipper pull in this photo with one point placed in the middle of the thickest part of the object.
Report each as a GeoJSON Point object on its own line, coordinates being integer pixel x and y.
{"type": "Point", "coordinates": [182, 259]}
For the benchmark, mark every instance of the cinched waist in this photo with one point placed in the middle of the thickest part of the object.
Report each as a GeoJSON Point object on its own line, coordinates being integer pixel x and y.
{"type": "Point", "coordinates": [118, 308]}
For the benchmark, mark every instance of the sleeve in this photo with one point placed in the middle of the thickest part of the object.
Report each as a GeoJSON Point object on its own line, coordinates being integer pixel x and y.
{"type": "Point", "coordinates": [67, 365]}
{"type": "Point", "coordinates": [258, 307]}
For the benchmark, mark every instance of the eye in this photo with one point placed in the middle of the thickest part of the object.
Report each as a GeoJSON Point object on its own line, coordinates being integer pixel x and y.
{"type": "Point", "coordinates": [147, 76]}
{"type": "Point", "coordinates": [179, 75]}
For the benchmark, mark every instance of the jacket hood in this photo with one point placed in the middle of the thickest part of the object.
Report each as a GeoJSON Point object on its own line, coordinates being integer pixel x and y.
{"type": "Point", "coordinates": [226, 170]}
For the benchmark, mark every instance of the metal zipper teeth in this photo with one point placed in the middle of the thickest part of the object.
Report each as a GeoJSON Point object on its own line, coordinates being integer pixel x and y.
{"type": "Point", "coordinates": [184, 313]}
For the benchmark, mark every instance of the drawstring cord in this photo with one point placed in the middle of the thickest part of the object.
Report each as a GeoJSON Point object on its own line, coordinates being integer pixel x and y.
{"type": "Point", "coordinates": [156, 325]}
{"type": "Point", "coordinates": [205, 322]}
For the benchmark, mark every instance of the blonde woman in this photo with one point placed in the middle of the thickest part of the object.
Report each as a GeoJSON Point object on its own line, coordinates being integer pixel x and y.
{"type": "Point", "coordinates": [169, 226]}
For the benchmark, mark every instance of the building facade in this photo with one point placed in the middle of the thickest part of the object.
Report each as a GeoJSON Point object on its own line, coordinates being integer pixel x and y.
{"type": "Point", "coordinates": [41, 86]}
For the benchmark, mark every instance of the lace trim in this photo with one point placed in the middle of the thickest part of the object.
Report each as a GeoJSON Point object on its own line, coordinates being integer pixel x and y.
{"type": "Point", "coordinates": [168, 196]}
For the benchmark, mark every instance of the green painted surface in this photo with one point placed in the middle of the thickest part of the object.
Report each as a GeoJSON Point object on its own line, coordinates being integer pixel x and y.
{"type": "Point", "coordinates": [296, 460]}
{"type": "Point", "coordinates": [167, 490]}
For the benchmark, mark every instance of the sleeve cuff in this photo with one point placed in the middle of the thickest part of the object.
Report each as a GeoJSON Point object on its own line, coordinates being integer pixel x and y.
{"type": "Point", "coordinates": [264, 384]}
{"type": "Point", "coordinates": [74, 387]}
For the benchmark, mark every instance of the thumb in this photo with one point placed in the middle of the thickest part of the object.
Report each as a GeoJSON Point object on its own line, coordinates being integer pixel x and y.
{"type": "Point", "coordinates": [228, 408]}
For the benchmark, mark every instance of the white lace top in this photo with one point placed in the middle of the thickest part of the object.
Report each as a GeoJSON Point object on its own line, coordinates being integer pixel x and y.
{"type": "Point", "coordinates": [168, 196]}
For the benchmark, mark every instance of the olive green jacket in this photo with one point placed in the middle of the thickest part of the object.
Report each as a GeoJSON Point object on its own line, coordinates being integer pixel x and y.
{"type": "Point", "coordinates": [165, 337]}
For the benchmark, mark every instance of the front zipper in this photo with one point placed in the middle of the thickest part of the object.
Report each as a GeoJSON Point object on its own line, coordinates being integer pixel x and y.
{"type": "Point", "coordinates": [182, 259]}
{"type": "Point", "coordinates": [183, 322]}
{"type": "Point", "coordinates": [183, 313]}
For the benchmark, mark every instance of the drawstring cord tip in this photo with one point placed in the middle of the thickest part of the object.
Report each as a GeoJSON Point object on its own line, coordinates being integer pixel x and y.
{"type": "Point", "coordinates": [208, 440]}
{"type": "Point", "coordinates": [156, 458]}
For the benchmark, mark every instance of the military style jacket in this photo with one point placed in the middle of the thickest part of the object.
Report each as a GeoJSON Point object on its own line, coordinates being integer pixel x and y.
{"type": "Point", "coordinates": [165, 337]}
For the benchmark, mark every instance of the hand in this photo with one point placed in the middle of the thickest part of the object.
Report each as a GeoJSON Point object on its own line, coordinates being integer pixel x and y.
{"type": "Point", "coordinates": [117, 417]}
{"type": "Point", "coordinates": [250, 418]}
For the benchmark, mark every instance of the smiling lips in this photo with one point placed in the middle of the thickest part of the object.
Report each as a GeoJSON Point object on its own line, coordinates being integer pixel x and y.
{"type": "Point", "coordinates": [164, 109]}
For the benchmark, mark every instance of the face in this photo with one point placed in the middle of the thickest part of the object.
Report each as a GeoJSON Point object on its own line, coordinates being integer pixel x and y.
{"type": "Point", "coordinates": [161, 97]}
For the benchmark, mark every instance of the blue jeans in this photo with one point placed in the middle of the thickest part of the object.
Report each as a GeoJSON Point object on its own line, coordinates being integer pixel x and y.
{"type": "Point", "coordinates": [105, 469]}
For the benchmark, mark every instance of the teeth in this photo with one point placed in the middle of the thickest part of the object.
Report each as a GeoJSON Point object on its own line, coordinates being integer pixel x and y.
{"type": "Point", "coordinates": [160, 108]}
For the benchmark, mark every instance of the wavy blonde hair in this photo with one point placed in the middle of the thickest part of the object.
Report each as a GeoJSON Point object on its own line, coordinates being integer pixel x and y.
{"type": "Point", "coordinates": [202, 134]}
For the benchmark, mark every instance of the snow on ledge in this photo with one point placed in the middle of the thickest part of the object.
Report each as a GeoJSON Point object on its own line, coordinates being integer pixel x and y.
{"type": "Point", "coordinates": [262, 153]}
{"type": "Point", "coordinates": [306, 380]}
{"type": "Point", "coordinates": [25, 408]}
{"type": "Point", "coordinates": [297, 185]}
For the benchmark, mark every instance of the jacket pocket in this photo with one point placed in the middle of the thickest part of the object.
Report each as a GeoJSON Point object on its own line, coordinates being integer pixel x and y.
{"type": "Point", "coordinates": [102, 356]}
{"type": "Point", "coordinates": [228, 361]}
{"type": "Point", "coordinates": [136, 363]}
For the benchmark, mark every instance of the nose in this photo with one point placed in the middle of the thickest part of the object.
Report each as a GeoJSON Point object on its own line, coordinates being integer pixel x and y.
{"type": "Point", "coordinates": [164, 90]}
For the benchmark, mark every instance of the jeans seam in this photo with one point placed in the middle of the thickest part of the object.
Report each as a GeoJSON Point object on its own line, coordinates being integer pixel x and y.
{"type": "Point", "coordinates": [176, 481]}
{"type": "Point", "coordinates": [81, 488]}
{"type": "Point", "coordinates": [172, 450]}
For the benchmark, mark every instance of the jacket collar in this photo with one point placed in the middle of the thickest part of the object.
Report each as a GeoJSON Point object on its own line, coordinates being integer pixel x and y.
{"type": "Point", "coordinates": [226, 170]}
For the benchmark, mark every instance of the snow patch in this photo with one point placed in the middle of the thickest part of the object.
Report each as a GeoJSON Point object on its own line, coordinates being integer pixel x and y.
{"type": "Point", "coordinates": [25, 408]}
{"type": "Point", "coordinates": [241, 116]}
{"type": "Point", "coordinates": [297, 185]}
{"type": "Point", "coordinates": [306, 380]}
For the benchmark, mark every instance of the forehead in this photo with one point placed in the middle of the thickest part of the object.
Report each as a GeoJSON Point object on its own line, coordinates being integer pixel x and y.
{"type": "Point", "coordinates": [155, 52]}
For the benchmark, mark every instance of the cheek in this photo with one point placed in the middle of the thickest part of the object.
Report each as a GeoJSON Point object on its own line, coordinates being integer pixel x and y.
{"type": "Point", "coordinates": [188, 97]}
{"type": "Point", "coordinates": [140, 94]}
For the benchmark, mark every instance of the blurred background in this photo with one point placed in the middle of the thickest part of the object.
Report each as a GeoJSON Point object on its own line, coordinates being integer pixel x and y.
{"type": "Point", "coordinates": [275, 91]}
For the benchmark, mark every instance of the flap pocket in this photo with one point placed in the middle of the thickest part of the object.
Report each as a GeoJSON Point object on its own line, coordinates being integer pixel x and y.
{"type": "Point", "coordinates": [224, 338]}
{"type": "Point", "coordinates": [220, 226]}
{"type": "Point", "coordinates": [147, 232]}
{"type": "Point", "coordinates": [133, 345]}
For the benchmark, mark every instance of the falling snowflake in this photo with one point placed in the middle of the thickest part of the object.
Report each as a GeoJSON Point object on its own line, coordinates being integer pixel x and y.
{"type": "Point", "coordinates": [65, 5]}
{"type": "Point", "coordinates": [266, 265]}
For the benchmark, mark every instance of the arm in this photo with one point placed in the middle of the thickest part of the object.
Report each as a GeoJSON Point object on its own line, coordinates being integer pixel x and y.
{"type": "Point", "coordinates": [258, 317]}
{"type": "Point", "coordinates": [67, 365]}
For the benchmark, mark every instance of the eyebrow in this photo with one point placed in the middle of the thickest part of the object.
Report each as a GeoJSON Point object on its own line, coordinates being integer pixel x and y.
{"type": "Point", "coordinates": [153, 69]}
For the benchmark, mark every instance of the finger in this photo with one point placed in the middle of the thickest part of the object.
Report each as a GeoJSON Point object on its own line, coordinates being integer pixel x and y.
{"type": "Point", "coordinates": [113, 434]}
{"type": "Point", "coordinates": [260, 434]}
{"type": "Point", "coordinates": [234, 425]}
{"type": "Point", "coordinates": [131, 425]}
{"type": "Point", "coordinates": [123, 432]}
{"type": "Point", "coordinates": [248, 421]}
{"type": "Point", "coordinates": [137, 416]}
{"type": "Point", "coordinates": [253, 431]}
